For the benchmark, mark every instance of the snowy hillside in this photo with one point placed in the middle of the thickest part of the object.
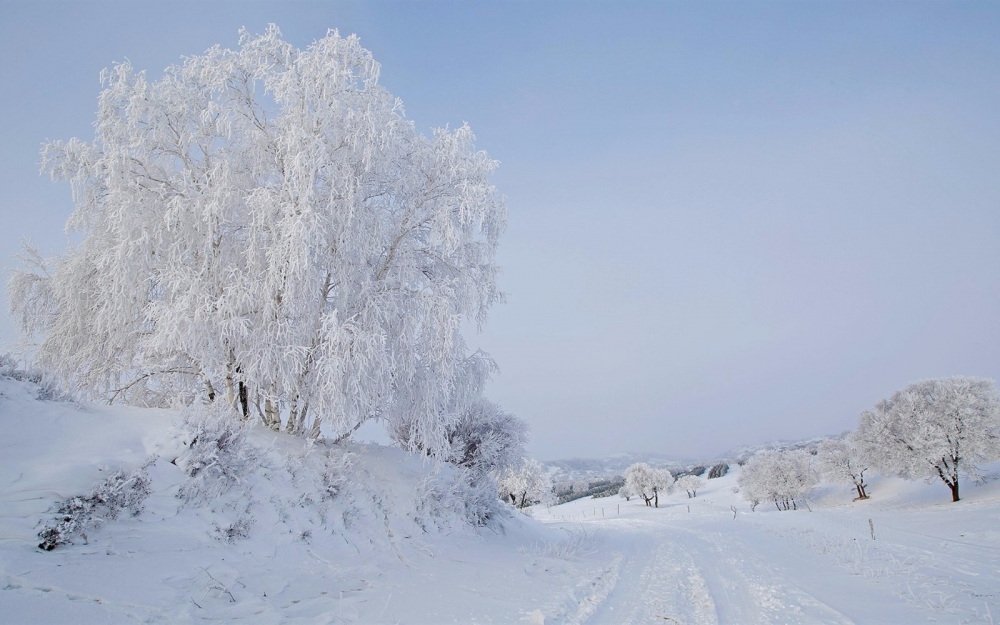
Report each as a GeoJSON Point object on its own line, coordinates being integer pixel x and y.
{"type": "Point", "coordinates": [575, 469]}
{"type": "Point", "coordinates": [385, 542]}
{"type": "Point", "coordinates": [368, 534]}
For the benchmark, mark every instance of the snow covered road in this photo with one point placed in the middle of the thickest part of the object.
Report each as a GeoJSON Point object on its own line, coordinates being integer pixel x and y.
{"type": "Point", "coordinates": [695, 563]}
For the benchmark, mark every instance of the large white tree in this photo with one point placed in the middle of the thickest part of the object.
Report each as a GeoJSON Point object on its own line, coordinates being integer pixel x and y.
{"type": "Point", "coordinates": [935, 429]}
{"type": "Point", "coordinates": [264, 226]}
{"type": "Point", "coordinates": [647, 482]}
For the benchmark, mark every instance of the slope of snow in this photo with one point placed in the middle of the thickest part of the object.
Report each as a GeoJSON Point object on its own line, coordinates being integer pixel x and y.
{"type": "Point", "coordinates": [389, 546]}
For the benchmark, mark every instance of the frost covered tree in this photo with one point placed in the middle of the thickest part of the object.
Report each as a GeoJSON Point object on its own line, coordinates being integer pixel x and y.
{"type": "Point", "coordinates": [690, 484]}
{"type": "Point", "coordinates": [781, 476]}
{"type": "Point", "coordinates": [718, 470]}
{"type": "Point", "coordinates": [840, 461]}
{"type": "Point", "coordinates": [625, 492]}
{"type": "Point", "coordinates": [487, 439]}
{"type": "Point", "coordinates": [935, 429]}
{"type": "Point", "coordinates": [647, 482]}
{"type": "Point", "coordinates": [526, 484]}
{"type": "Point", "coordinates": [265, 227]}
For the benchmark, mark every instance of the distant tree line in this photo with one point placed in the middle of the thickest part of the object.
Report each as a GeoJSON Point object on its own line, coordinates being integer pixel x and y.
{"type": "Point", "coordinates": [938, 430]}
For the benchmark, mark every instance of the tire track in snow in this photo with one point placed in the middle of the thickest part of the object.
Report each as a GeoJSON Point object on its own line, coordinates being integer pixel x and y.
{"type": "Point", "coordinates": [747, 589]}
{"type": "Point", "coordinates": [685, 576]}
{"type": "Point", "coordinates": [658, 582]}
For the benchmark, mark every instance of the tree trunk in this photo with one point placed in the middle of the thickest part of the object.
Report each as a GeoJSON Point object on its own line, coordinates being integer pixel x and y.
{"type": "Point", "coordinates": [300, 427]}
{"type": "Point", "coordinates": [230, 387]}
{"type": "Point", "coordinates": [272, 418]}
{"type": "Point", "coordinates": [210, 389]}
{"type": "Point", "coordinates": [293, 416]}
{"type": "Point", "coordinates": [954, 490]}
{"type": "Point", "coordinates": [244, 400]}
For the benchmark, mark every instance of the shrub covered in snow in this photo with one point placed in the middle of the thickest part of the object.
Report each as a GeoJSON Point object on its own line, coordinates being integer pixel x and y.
{"type": "Point", "coordinates": [47, 390]}
{"type": "Point", "coordinates": [122, 490]}
{"type": "Point", "coordinates": [238, 529]}
{"type": "Point", "coordinates": [485, 438]}
{"type": "Point", "coordinates": [218, 454]}
{"type": "Point", "coordinates": [457, 492]}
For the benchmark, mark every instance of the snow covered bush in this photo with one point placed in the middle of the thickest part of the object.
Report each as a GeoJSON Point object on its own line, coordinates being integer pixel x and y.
{"type": "Point", "coordinates": [690, 484]}
{"type": "Point", "coordinates": [486, 439]}
{"type": "Point", "coordinates": [335, 473]}
{"type": "Point", "coordinates": [780, 476]}
{"type": "Point", "coordinates": [526, 484]}
{"type": "Point", "coordinates": [469, 495]}
{"type": "Point", "coordinates": [840, 462]}
{"type": "Point", "coordinates": [122, 490]}
{"type": "Point", "coordinates": [935, 429]}
{"type": "Point", "coordinates": [647, 482]}
{"type": "Point", "coordinates": [218, 454]}
{"type": "Point", "coordinates": [625, 492]}
{"type": "Point", "coordinates": [264, 227]}
{"type": "Point", "coordinates": [46, 388]}
{"type": "Point", "coordinates": [238, 529]}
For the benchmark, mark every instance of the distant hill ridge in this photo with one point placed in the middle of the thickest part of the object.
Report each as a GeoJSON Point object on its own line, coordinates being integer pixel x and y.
{"type": "Point", "coordinates": [583, 469]}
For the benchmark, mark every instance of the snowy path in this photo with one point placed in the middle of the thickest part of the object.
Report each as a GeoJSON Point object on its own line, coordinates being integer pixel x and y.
{"type": "Point", "coordinates": [704, 566]}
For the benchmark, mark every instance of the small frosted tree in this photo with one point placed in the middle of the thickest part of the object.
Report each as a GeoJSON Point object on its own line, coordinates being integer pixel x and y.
{"type": "Point", "coordinates": [840, 461]}
{"type": "Point", "coordinates": [690, 484]}
{"type": "Point", "coordinates": [625, 492]}
{"type": "Point", "coordinates": [526, 484]}
{"type": "Point", "coordinates": [487, 439]}
{"type": "Point", "coordinates": [265, 227]}
{"type": "Point", "coordinates": [935, 429]}
{"type": "Point", "coordinates": [783, 477]}
{"type": "Point", "coordinates": [647, 482]}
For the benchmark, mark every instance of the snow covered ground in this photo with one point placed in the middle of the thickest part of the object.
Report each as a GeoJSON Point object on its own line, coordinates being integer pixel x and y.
{"type": "Point", "coordinates": [387, 548]}
{"type": "Point", "coordinates": [696, 561]}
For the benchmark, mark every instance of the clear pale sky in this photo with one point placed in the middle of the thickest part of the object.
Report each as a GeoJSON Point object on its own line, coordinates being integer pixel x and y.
{"type": "Point", "coordinates": [729, 223]}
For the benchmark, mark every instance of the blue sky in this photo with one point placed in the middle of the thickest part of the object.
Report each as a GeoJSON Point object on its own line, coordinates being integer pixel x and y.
{"type": "Point", "coordinates": [729, 222]}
